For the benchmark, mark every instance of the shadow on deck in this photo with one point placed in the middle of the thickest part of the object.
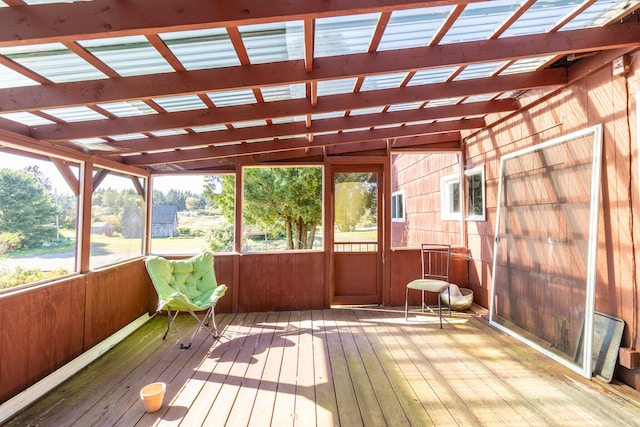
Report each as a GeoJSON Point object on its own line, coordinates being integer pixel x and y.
{"type": "Point", "coordinates": [347, 366]}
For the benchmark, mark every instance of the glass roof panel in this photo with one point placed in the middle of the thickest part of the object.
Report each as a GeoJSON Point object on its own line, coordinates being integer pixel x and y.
{"type": "Point", "coordinates": [128, 108]}
{"type": "Point", "coordinates": [343, 35]}
{"type": "Point", "coordinates": [435, 75]}
{"type": "Point", "coordinates": [383, 81]}
{"type": "Point", "coordinates": [480, 20]}
{"type": "Point", "coordinates": [10, 78]}
{"type": "Point", "coordinates": [53, 61]}
{"type": "Point", "coordinates": [480, 98]}
{"type": "Point", "coordinates": [74, 114]}
{"type": "Point", "coordinates": [28, 119]}
{"type": "Point", "coordinates": [283, 92]}
{"type": "Point", "coordinates": [405, 107]}
{"type": "Point", "coordinates": [249, 124]}
{"type": "Point", "coordinates": [290, 119]}
{"type": "Point", "coordinates": [128, 136]}
{"type": "Point", "coordinates": [169, 132]}
{"type": "Point", "coordinates": [336, 87]}
{"type": "Point", "coordinates": [128, 56]}
{"type": "Point", "coordinates": [208, 128]}
{"type": "Point", "coordinates": [599, 14]}
{"type": "Point", "coordinates": [540, 17]}
{"type": "Point", "coordinates": [442, 101]}
{"type": "Point", "coordinates": [363, 111]}
{"type": "Point", "coordinates": [413, 27]}
{"type": "Point", "coordinates": [273, 42]}
{"type": "Point", "coordinates": [355, 130]}
{"type": "Point", "coordinates": [483, 69]}
{"type": "Point", "coordinates": [330, 115]}
{"type": "Point", "coordinates": [525, 65]}
{"type": "Point", "coordinates": [89, 141]}
{"type": "Point", "coordinates": [199, 49]}
{"type": "Point", "coordinates": [173, 104]}
{"type": "Point", "coordinates": [232, 97]}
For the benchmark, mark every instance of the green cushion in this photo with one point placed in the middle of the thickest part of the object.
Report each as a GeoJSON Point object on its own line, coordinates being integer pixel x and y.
{"type": "Point", "coordinates": [185, 284]}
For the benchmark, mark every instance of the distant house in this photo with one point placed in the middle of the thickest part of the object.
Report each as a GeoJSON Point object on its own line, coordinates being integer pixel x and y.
{"type": "Point", "coordinates": [102, 228]}
{"type": "Point", "coordinates": [164, 221]}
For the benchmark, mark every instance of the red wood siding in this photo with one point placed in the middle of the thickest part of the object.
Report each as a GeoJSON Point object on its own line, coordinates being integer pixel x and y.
{"type": "Point", "coordinates": [419, 176]}
{"type": "Point", "coordinates": [600, 98]}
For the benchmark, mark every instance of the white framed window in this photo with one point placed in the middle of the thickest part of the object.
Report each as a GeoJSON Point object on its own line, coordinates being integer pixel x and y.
{"type": "Point", "coordinates": [475, 194]}
{"type": "Point", "coordinates": [450, 198]}
{"type": "Point", "coordinates": [397, 206]}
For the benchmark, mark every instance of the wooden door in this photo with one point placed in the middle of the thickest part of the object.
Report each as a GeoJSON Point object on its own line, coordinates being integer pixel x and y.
{"type": "Point", "coordinates": [356, 249]}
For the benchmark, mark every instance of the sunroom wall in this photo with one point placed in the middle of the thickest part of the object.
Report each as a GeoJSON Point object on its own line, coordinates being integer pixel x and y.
{"type": "Point", "coordinates": [598, 98]}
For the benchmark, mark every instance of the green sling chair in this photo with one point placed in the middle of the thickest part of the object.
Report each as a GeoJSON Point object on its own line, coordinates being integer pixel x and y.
{"type": "Point", "coordinates": [186, 285]}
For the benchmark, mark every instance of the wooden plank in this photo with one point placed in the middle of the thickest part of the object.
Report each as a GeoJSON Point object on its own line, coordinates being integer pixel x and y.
{"type": "Point", "coordinates": [265, 399]}
{"type": "Point", "coordinates": [241, 414]}
{"type": "Point", "coordinates": [305, 396]}
{"type": "Point", "coordinates": [284, 409]}
{"type": "Point", "coordinates": [407, 397]}
{"type": "Point", "coordinates": [224, 403]}
{"type": "Point", "coordinates": [325, 393]}
{"type": "Point", "coordinates": [385, 394]}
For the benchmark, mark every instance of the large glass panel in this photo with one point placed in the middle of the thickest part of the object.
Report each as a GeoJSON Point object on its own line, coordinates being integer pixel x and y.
{"type": "Point", "coordinates": [355, 211]}
{"type": "Point", "coordinates": [545, 246]}
{"type": "Point", "coordinates": [282, 208]}
{"type": "Point", "coordinates": [117, 218]}
{"type": "Point", "coordinates": [38, 218]}
{"type": "Point", "coordinates": [189, 214]}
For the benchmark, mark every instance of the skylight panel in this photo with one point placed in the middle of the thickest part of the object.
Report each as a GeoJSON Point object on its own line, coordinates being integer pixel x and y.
{"type": "Point", "coordinates": [483, 69]}
{"type": "Point", "coordinates": [89, 141]}
{"type": "Point", "coordinates": [283, 92]}
{"type": "Point", "coordinates": [53, 61]}
{"type": "Point", "coordinates": [480, 98]}
{"type": "Point", "coordinates": [290, 119]}
{"type": "Point", "coordinates": [542, 16]}
{"type": "Point", "coordinates": [599, 14]}
{"type": "Point", "coordinates": [169, 132]}
{"type": "Point", "coordinates": [10, 78]}
{"type": "Point", "coordinates": [209, 128]}
{"type": "Point", "coordinates": [128, 56]}
{"type": "Point", "coordinates": [389, 126]}
{"type": "Point", "coordinates": [202, 49]}
{"type": "Point", "coordinates": [336, 87]}
{"type": "Point", "coordinates": [174, 104]}
{"type": "Point", "coordinates": [232, 97]}
{"type": "Point", "coordinates": [525, 65]}
{"type": "Point", "coordinates": [405, 106]}
{"type": "Point", "coordinates": [383, 81]}
{"type": "Point", "coordinates": [330, 115]}
{"type": "Point", "coordinates": [344, 35]}
{"type": "Point", "coordinates": [413, 27]}
{"type": "Point", "coordinates": [480, 20]}
{"type": "Point", "coordinates": [128, 136]}
{"type": "Point", "coordinates": [28, 119]}
{"type": "Point", "coordinates": [355, 129]}
{"type": "Point", "coordinates": [273, 42]}
{"type": "Point", "coordinates": [128, 108]}
{"type": "Point", "coordinates": [74, 114]}
{"type": "Point", "coordinates": [441, 102]}
{"type": "Point", "coordinates": [364, 111]}
{"type": "Point", "coordinates": [249, 124]}
{"type": "Point", "coordinates": [435, 75]}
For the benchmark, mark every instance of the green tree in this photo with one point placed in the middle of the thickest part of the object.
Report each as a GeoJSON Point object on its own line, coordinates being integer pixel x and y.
{"type": "Point", "coordinates": [26, 207]}
{"type": "Point", "coordinates": [277, 200]}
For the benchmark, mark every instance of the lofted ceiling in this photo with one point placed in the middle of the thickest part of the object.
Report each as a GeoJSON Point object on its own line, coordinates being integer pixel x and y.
{"type": "Point", "coordinates": [178, 86]}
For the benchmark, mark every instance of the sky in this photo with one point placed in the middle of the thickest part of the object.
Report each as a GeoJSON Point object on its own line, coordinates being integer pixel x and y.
{"type": "Point", "coordinates": [164, 183]}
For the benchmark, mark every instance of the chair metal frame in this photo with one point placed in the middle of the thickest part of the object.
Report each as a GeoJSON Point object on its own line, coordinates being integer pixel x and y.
{"type": "Point", "coordinates": [435, 260]}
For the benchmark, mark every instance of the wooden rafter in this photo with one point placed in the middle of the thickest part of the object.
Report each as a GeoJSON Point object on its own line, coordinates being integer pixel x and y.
{"type": "Point", "coordinates": [143, 87]}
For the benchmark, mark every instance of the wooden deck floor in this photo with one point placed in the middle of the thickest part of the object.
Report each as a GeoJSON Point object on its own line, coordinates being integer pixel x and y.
{"type": "Point", "coordinates": [344, 367]}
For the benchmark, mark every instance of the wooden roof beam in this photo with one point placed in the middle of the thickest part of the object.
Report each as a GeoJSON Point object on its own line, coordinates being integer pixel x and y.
{"type": "Point", "coordinates": [321, 126]}
{"type": "Point", "coordinates": [302, 142]}
{"type": "Point", "coordinates": [47, 23]}
{"type": "Point", "coordinates": [290, 72]}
